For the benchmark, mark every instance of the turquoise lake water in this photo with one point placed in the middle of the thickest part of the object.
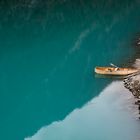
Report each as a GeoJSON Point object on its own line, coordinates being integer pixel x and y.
{"type": "Point", "coordinates": [48, 51]}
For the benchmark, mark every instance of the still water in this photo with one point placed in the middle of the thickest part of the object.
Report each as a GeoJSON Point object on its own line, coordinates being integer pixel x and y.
{"type": "Point", "coordinates": [48, 50]}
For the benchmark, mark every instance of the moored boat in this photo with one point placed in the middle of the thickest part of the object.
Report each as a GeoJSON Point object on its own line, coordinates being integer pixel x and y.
{"type": "Point", "coordinates": [115, 71]}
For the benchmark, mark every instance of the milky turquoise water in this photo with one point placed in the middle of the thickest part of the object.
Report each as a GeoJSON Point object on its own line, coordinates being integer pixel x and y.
{"type": "Point", "coordinates": [48, 51]}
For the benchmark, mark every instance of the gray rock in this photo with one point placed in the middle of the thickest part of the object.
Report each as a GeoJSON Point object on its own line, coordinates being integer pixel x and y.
{"type": "Point", "coordinates": [133, 84]}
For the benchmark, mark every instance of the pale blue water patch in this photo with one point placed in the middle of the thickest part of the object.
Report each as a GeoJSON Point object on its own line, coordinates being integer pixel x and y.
{"type": "Point", "coordinates": [108, 116]}
{"type": "Point", "coordinates": [48, 50]}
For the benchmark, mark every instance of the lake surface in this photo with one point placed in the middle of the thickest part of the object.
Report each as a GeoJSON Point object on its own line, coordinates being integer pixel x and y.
{"type": "Point", "coordinates": [48, 51]}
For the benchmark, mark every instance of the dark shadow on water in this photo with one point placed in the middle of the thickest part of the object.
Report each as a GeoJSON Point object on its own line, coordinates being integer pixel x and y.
{"type": "Point", "coordinates": [109, 76]}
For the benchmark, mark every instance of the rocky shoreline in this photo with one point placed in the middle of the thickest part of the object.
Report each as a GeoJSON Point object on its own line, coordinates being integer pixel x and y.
{"type": "Point", "coordinates": [132, 82]}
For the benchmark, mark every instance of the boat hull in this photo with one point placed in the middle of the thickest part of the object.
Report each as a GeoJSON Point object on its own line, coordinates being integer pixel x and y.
{"type": "Point", "coordinates": [115, 71]}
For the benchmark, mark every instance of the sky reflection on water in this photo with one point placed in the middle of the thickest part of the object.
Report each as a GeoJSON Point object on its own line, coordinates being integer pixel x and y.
{"type": "Point", "coordinates": [48, 52]}
{"type": "Point", "coordinates": [111, 115]}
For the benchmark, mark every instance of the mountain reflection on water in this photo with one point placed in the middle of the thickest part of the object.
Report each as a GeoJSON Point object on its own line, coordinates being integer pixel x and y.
{"type": "Point", "coordinates": [48, 50]}
{"type": "Point", "coordinates": [111, 115]}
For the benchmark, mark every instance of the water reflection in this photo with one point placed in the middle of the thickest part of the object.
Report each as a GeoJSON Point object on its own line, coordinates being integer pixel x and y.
{"type": "Point", "coordinates": [111, 115]}
{"type": "Point", "coordinates": [47, 55]}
